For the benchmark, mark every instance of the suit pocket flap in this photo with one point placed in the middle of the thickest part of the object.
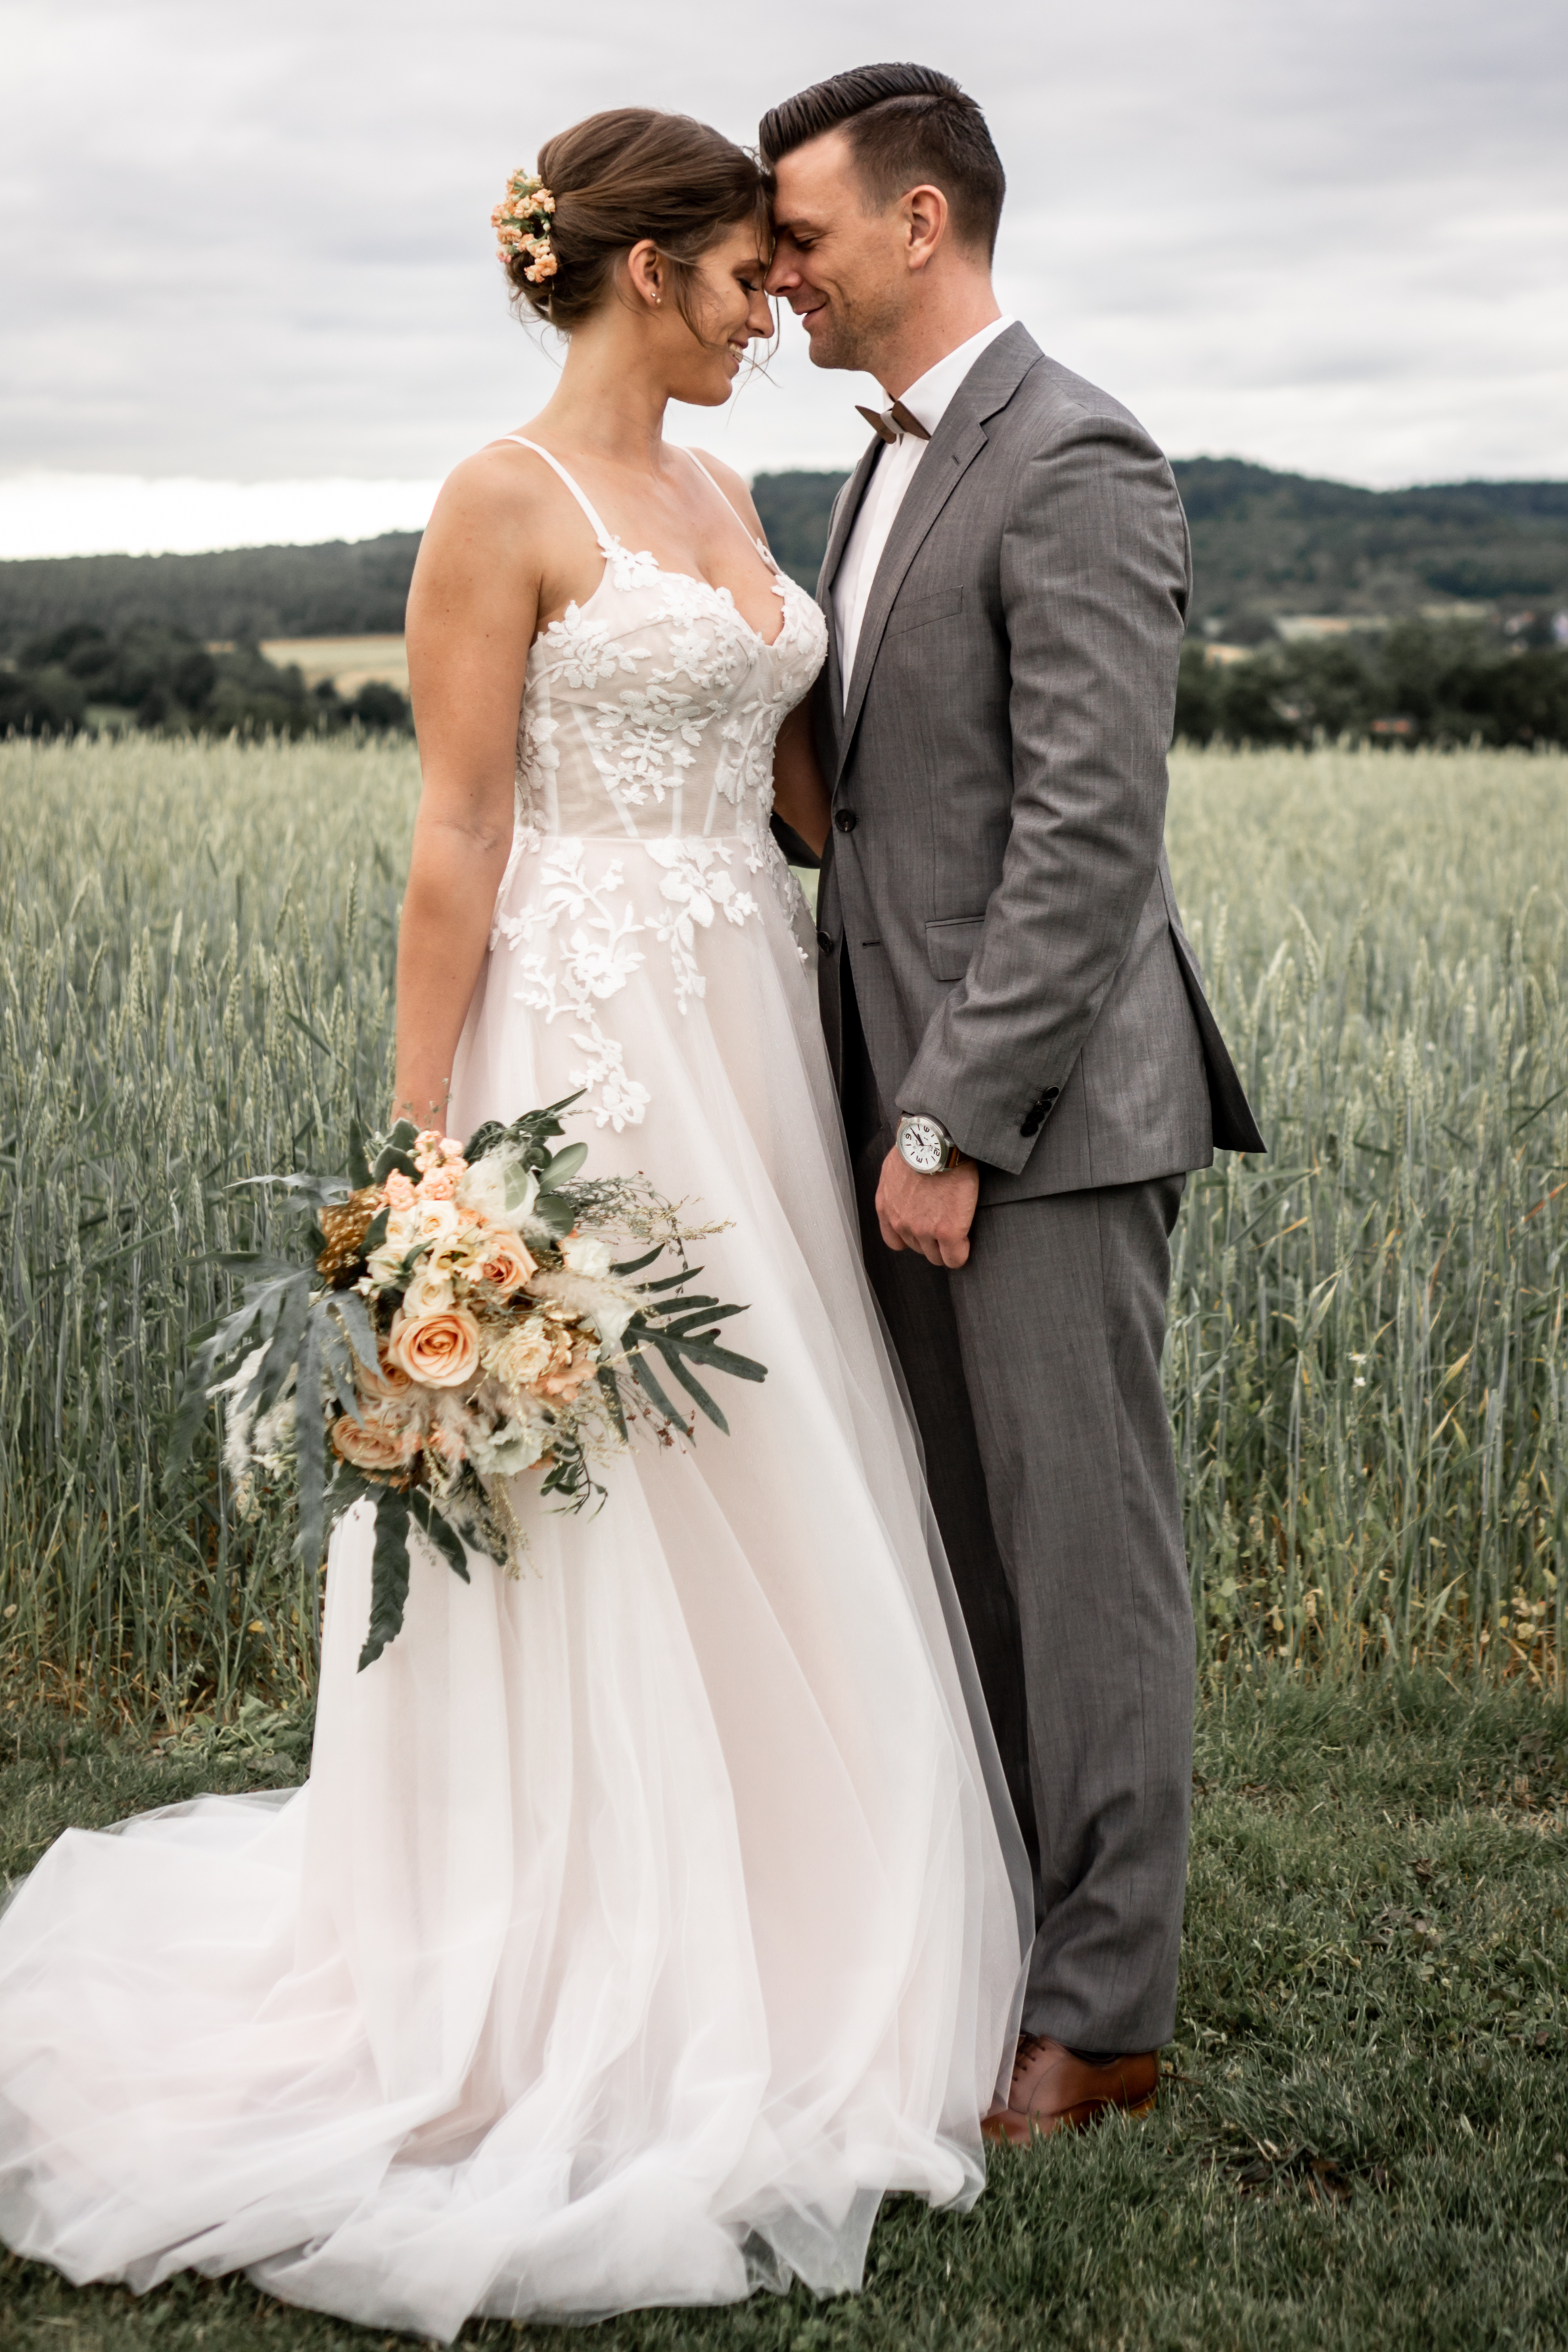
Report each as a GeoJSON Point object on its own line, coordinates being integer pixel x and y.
{"type": "Point", "coordinates": [950, 946]}
{"type": "Point", "coordinates": [915, 611]}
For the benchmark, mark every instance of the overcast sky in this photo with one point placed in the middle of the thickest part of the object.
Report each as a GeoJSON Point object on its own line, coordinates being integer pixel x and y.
{"type": "Point", "coordinates": [248, 246]}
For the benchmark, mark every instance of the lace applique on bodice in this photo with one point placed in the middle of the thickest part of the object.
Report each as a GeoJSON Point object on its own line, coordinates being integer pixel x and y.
{"type": "Point", "coordinates": [648, 722]}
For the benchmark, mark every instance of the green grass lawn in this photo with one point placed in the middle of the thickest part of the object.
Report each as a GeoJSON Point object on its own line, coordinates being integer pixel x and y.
{"type": "Point", "coordinates": [1364, 2142]}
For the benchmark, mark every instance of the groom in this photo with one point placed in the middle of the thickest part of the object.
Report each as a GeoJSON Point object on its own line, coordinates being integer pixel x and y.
{"type": "Point", "coordinates": [1027, 1061]}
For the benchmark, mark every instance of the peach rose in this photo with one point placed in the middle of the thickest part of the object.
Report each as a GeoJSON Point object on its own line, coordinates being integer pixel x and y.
{"type": "Point", "coordinates": [566, 1381]}
{"type": "Point", "coordinates": [502, 1262]}
{"type": "Point", "coordinates": [438, 1184]}
{"type": "Point", "coordinates": [369, 1444]}
{"type": "Point", "coordinates": [389, 1380]}
{"type": "Point", "coordinates": [397, 1190]}
{"type": "Point", "coordinates": [440, 1351]}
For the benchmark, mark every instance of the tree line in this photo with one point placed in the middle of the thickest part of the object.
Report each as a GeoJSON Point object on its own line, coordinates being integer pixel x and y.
{"type": "Point", "coordinates": [1422, 681]}
{"type": "Point", "coordinates": [82, 678]}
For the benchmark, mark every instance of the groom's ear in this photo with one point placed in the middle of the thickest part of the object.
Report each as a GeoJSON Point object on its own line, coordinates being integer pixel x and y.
{"type": "Point", "coordinates": [926, 217]}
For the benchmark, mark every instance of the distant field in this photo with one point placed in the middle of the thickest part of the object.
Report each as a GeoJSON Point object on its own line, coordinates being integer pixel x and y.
{"type": "Point", "coordinates": [349, 662]}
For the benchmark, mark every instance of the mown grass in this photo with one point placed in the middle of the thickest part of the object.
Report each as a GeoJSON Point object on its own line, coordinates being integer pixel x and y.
{"type": "Point", "coordinates": [1366, 1366]}
{"type": "Point", "coordinates": [1365, 2141]}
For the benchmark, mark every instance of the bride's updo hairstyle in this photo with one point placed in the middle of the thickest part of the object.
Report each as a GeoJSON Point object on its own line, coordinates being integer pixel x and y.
{"type": "Point", "coordinates": [625, 175]}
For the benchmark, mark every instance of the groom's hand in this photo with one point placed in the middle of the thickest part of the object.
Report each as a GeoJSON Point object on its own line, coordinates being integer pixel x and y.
{"type": "Point", "coordinates": [929, 1213]}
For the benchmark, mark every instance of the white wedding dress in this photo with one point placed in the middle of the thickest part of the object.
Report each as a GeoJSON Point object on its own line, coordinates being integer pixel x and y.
{"type": "Point", "coordinates": [646, 1919]}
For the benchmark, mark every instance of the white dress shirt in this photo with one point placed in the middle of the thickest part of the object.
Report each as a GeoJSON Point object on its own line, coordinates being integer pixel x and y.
{"type": "Point", "coordinates": [928, 401]}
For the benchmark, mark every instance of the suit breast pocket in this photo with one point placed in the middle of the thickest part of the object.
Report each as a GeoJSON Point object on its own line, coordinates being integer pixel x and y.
{"type": "Point", "coordinates": [950, 945]}
{"type": "Point", "coordinates": [922, 611]}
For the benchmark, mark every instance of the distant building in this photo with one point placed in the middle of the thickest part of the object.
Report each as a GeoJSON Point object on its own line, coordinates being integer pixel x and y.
{"type": "Point", "coordinates": [1309, 628]}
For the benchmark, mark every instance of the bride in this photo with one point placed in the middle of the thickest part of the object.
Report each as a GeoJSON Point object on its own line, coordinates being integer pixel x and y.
{"type": "Point", "coordinates": [646, 1919]}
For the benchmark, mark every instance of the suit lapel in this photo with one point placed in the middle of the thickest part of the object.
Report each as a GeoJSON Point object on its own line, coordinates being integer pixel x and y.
{"type": "Point", "coordinates": [956, 442]}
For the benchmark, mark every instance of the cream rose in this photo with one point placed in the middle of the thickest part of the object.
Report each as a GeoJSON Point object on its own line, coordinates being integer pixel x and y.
{"type": "Point", "coordinates": [520, 1357]}
{"type": "Point", "coordinates": [369, 1444]}
{"type": "Point", "coordinates": [440, 1351]}
{"type": "Point", "coordinates": [502, 1262]}
{"type": "Point", "coordinates": [431, 1292]}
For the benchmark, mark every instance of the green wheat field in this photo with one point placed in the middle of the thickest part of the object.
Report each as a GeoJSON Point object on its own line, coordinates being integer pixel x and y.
{"type": "Point", "coordinates": [1365, 2141]}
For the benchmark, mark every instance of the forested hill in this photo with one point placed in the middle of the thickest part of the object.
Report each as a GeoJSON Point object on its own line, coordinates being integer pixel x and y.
{"type": "Point", "coordinates": [340, 589]}
{"type": "Point", "coordinates": [1263, 543]}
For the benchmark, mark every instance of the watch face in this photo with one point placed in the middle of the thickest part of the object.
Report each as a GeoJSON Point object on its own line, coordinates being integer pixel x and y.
{"type": "Point", "coordinates": [923, 1145]}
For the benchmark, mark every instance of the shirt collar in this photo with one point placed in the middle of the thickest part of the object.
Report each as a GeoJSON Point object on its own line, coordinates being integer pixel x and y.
{"type": "Point", "coordinates": [931, 396]}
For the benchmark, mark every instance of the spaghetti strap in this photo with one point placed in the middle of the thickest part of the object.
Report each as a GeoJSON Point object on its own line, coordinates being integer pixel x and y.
{"type": "Point", "coordinates": [763, 550]}
{"type": "Point", "coordinates": [607, 545]}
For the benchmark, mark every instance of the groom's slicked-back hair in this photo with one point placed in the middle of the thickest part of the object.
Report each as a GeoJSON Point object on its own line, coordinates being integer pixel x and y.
{"type": "Point", "coordinates": [906, 125]}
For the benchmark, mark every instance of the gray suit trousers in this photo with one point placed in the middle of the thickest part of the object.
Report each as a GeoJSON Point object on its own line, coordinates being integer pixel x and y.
{"type": "Point", "coordinates": [1034, 1375]}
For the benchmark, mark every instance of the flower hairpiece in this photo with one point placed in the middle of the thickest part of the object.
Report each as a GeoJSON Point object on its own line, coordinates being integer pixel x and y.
{"type": "Point", "coordinates": [522, 222]}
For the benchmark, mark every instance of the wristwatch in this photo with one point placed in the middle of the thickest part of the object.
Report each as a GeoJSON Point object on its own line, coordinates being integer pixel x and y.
{"type": "Point", "coordinates": [926, 1145]}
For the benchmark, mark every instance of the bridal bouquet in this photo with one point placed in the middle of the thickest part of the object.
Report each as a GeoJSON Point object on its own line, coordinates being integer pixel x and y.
{"type": "Point", "coordinates": [461, 1315]}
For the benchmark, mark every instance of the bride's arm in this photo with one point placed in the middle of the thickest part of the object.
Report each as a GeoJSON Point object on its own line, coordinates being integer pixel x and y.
{"type": "Point", "coordinates": [472, 610]}
{"type": "Point", "coordinates": [800, 796]}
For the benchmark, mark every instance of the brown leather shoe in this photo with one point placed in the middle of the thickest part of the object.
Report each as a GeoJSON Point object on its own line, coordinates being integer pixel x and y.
{"type": "Point", "coordinates": [1054, 2091]}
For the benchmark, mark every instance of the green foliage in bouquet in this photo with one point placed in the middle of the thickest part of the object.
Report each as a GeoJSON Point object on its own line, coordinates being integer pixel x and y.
{"type": "Point", "coordinates": [462, 1316]}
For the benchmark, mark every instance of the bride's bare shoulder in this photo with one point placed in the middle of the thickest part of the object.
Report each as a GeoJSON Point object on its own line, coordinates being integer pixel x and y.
{"type": "Point", "coordinates": [735, 487]}
{"type": "Point", "coordinates": [501, 487]}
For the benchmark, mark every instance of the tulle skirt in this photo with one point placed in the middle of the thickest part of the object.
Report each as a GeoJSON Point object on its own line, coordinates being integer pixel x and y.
{"type": "Point", "coordinates": [651, 1912]}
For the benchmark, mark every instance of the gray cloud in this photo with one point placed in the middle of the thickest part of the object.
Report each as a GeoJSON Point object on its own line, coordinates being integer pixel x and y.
{"type": "Point", "coordinates": [253, 243]}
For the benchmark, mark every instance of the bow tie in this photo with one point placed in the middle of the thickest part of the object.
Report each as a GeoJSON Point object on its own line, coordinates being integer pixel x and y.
{"type": "Point", "coordinates": [892, 424]}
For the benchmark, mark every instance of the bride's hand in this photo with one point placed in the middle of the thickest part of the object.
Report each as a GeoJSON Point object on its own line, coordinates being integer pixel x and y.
{"type": "Point", "coordinates": [800, 795]}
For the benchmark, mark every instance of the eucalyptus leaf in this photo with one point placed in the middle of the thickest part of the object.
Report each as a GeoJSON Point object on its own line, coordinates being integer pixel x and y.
{"type": "Point", "coordinates": [388, 1576]}
{"type": "Point", "coordinates": [648, 1379]}
{"type": "Point", "coordinates": [311, 1450]}
{"type": "Point", "coordinates": [435, 1524]}
{"type": "Point", "coordinates": [694, 1388]}
{"type": "Point", "coordinates": [354, 1315]}
{"type": "Point", "coordinates": [561, 1169]}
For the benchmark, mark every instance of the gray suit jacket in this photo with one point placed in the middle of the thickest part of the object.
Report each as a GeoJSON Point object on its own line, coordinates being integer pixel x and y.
{"type": "Point", "coordinates": [996, 870]}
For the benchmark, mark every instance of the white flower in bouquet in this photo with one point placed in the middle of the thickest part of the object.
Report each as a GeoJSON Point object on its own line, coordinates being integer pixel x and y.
{"type": "Point", "coordinates": [515, 1446]}
{"type": "Point", "coordinates": [500, 1189]}
{"type": "Point", "coordinates": [582, 1256]}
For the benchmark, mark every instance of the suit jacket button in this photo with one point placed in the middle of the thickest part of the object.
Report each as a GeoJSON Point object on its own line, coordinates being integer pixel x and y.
{"type": "Point", "coordinates": [1049, 1096]}
{"type": "Point", "coordinates": [845, 820]}
{"type": "Point", "coordinates": [824, 941]}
